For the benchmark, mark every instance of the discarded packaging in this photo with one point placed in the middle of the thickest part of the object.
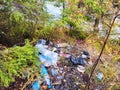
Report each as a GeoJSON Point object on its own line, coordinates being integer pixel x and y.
{"type": "Point", "coordinates": [56, 83]}
{"type": "Point", "coordinates": [80, 60]}
{"type": "Point", "coordinates": [41, 47]}
{"type": "Point", "coordinates": [58, 80]}
{"type": "Point", "coordinates": [62, 45]}
{"type": "Point", "coordinates": [68, 47]}
{"type": "Point", "coordinates": [81, 69]}
{"type": "Point", "coordinates": [54, 49]}
{"type": "Point", "coordinates": [54, 72]}
{"type": "Point", "coordinates": [64, 55]}
{"type": "Point", "coordinates": [45, 75]}
{"type": "Point", "coordinates": [100, 76]}
{"type": "Point", "coordinates": [90, 63]}
{"type": "Point", "coordinates": [36, 86]}
{"type": "Point", "coordinates": [47, 57]}
{"type": "Point", "coordinates": [42, 41]}
{"type": "Point", "coordinates": [85, 55]}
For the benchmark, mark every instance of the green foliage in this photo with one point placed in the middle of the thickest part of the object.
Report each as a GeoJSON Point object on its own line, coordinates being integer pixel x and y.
{"type": "Point", "coordinates": [20, 19]}
{"type": "Point", "coordinates": [47, 32]}
{"type": "Point", "coordinates": [95, 6]}
{"type": "Point", "coordinates": [16, 61]}
{"type": "Point", "coordinates": [16, 17]}
{"type": "Point", "coordinates": [75, 20]}
{"type": "Point", "coordinates": [78, 34]}
{"type": "Point", "coordinates": [53, 31]}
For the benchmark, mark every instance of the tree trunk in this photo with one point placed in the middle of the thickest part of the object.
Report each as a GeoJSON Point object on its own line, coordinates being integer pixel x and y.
{"type": "Point", "coordinates": [96, 24]}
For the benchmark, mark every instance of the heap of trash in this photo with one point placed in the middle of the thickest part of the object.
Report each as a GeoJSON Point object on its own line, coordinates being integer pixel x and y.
{"type": "Point", "coordinates": [60, 69]}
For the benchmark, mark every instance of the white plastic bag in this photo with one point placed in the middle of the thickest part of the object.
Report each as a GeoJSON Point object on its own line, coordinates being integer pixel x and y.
{"type": "Point", "coordinates": [47, 57]}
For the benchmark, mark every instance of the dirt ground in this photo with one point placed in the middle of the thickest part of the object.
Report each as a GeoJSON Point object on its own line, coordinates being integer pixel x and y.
{"type": "Point", "coordinates": [71, 78]}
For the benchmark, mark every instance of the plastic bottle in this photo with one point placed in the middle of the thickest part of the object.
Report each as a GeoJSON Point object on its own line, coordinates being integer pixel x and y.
{"type": "Point", "coordinates": [45, 75]}
{"type": "Point", "coordinates": [100, 76]}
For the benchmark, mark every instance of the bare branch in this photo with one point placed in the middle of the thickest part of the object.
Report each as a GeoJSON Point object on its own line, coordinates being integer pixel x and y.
{"type": "Point", "coordinates": [98, 59]}
{"type": "Point", "coordinates": [106, 24]}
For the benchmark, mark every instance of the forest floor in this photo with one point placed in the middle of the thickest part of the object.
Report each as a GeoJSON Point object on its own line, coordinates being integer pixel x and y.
{"type": "Point", "coordinates": [72, 78]}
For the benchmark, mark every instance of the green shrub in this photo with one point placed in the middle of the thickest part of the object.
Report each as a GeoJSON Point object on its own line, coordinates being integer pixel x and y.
{"type": "Point", "coordinates": [47, 33]}
{"type": "Point", "coordinates": [78, 34]}
{"type": "Point", "coordinates": [15, 61]}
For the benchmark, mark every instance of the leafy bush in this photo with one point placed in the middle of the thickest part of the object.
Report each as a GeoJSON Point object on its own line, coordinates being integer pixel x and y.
{"type": "Point", "coordinates": [78, 34]}
{"type": "Point", "coordinates": [47, 33]}
{"type": "Point", "coordinates": [20, 19]}
{"type": "Point", "coordinates": [16, 61]}
{"type": "Point", "coordinates": [75, 21]}
{"type": "Point", "coordinates": [53, 31]}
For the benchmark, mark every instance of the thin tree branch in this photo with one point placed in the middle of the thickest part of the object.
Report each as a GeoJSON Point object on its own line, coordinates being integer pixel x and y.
{"type": "Point", "coordinates": [30, 80]}
{"type": "Point", "coordinates": [98, 59]}
{"type": "Point", "coordinates": [106, 24]}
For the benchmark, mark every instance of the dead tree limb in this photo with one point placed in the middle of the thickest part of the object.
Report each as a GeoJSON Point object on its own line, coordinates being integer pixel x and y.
{"type": "Point", "coordinates": [98, 59]}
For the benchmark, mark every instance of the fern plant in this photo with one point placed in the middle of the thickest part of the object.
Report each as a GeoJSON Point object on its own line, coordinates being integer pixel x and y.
{"type": "Point", "coordinates": [16, 61]}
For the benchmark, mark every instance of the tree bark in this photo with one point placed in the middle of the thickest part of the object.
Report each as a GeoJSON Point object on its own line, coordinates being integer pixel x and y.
{"type": "Point", "coordinates": [96, 24]}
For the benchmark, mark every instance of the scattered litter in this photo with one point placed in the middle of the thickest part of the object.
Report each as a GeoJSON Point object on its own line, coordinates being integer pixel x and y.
{"type": "Point", "coordinates": [64, 55]}
{"type": "Point", "coordinates": [90, 62]}
{"type": "Point", "coordinates": [42, 41]}
{"type": "Point", "coordinates": [81, 60]}
{"type": "Point", "coordinates": [87, 54]}
{"type": "Point", "coordinates": [100, 76]}
{"type": "Point", "coordinates": [36, 86]}
{"type": "Point", "coordinates": [54, 49]}
{"type": "Point", "coordinates": [55, 75]}
{"type": "Point", "coordinates": [81, 69]}
{"type": "Point", "coordinates": [62, 45]}
{"type": "Point", "coordinates": [68, 47]}
{"type": "Point", "coordinates": [54, 72]}
{"type": "Point", "coordinates": [46, 56]}
{"type": "Point", "coordinates": [49, 58]}
{"type": "Point", "coordinates": [78, 61]}
{"type": "Point", "coordinates": [45, 75]}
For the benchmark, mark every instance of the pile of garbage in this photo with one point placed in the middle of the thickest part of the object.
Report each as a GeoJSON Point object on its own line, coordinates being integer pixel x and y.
{"type": "Point", "coordinates": [60, 69]}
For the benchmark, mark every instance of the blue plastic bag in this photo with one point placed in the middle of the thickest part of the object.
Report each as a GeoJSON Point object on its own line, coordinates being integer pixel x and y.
{"type": "Point", "coordinates": [36, 86]}
{"type": "Point", "coordinates": [45, 75]}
